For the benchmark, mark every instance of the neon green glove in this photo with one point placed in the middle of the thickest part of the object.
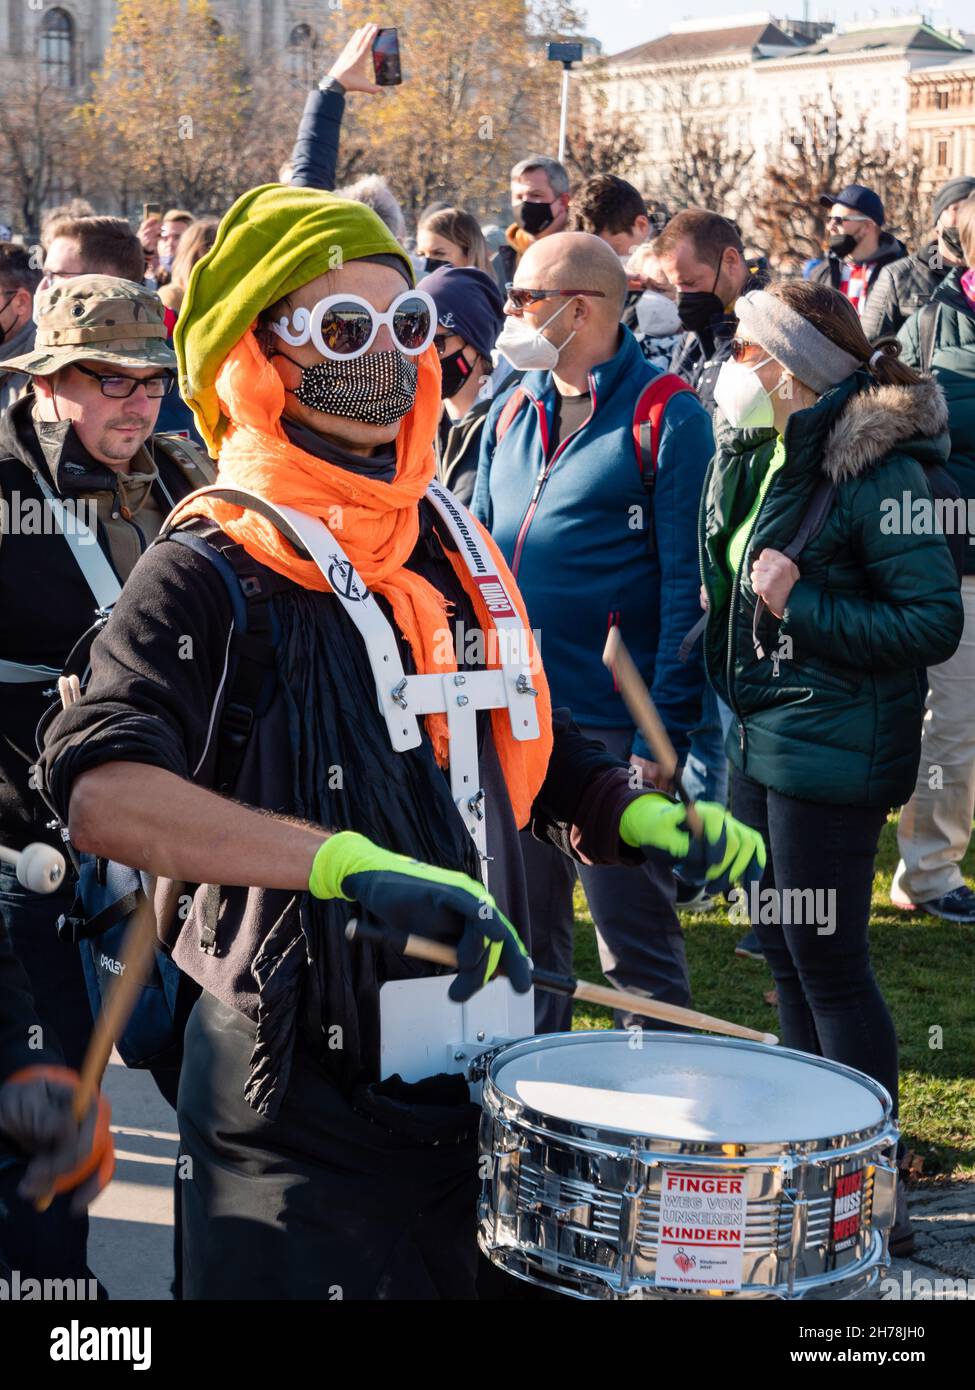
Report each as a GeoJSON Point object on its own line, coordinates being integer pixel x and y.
{"type": "Point", "coordinates": [410, 896]}
{"type": "Point", "coordinates": [728, 850]}
{"type": "Point", "coordinates": [658, 822]}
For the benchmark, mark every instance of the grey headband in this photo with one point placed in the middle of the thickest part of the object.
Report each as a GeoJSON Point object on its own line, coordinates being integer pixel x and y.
{"type": "Point", "coordinates": [792, 340]}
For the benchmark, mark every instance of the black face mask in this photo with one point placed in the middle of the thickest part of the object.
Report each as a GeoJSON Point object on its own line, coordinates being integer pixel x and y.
{"type": "Point", "coordinates": [378, 389]}
{"type": "Point", "coordinates": [842, 245]}
{"type": "Point", "coordinates": [698, 308]}
{"type": "Point", "coordinates": [430, 265]}
{"type": "Point", "coordinates": [455, 371]}
{"type": "Point", "coordinates": [534, 217]}
{"type": "Point", "coordinates": [952, 242]}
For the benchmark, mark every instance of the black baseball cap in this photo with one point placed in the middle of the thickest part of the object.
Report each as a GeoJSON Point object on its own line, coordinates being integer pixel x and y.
{"type": "Point", "coordinates": [860, 199]}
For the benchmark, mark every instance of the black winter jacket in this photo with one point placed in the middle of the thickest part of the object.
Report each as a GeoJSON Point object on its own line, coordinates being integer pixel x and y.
{"type": "Point", "coordinates": [830, 270]}
{"type": "Point", "coordinates": [901, 288]}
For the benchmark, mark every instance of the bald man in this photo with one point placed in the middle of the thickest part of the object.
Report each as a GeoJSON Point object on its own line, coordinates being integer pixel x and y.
{"type": "Point", "coordinates": [598, 532]}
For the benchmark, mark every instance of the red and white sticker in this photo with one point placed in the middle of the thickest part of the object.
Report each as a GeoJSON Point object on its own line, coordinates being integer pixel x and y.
{"type": "Point", "coordinates": [494, 595]}
{"type": "Point", "coordinates": [847, 1210]}
{"type": "Point", "coordinates": [702, 1231]}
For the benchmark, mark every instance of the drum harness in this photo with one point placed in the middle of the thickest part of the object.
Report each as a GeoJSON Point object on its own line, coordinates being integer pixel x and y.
{"type": "Point", "coordinates": [424, 1032]}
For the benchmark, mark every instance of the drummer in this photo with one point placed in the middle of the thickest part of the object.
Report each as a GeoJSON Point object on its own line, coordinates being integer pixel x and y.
{"type": "Point", "coordinates": [312, 1177]}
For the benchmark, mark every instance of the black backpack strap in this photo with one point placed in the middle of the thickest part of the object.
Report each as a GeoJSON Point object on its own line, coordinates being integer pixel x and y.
{"type": "Point", "coordinates": [927, 330]}
{"type": "Point", "coordinates": [820, 506]}
{"type": "Point", "coordinates": [687, 646]}
{"type": "Point", "coordinates": [252, 646]}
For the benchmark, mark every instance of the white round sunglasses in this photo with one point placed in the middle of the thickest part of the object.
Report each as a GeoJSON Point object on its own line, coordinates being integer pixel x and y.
{"type": "Point", "coordinates": [344, 326]}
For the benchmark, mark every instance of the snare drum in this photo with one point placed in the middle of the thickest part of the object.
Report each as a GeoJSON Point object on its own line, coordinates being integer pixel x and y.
{"type": "Point", "coordinates": [665, 1165]}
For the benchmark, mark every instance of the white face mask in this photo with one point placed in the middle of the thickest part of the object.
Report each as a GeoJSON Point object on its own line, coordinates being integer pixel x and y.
{"type": "Point", "coordinates": [656, 315]}
{"type": "Point", "coordinates": [742, 398]}
{"type": "Point", "coordinates": [527, 348]}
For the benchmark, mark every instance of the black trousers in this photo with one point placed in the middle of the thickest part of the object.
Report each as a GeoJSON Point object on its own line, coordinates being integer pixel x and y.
{"type": "Point", "coordinates": [830, 1003]}
{"type": "Point", "coordinates": [324, 1202]}
{"type": "Point", "coordinates": [638, 932]}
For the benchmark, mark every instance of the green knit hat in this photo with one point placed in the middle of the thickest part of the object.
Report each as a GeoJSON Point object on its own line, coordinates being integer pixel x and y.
{"type": "Point", "coordinates": [272, 241]}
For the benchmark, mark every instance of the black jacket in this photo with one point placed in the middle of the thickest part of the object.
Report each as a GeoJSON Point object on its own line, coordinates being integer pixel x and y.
{"type": "Point", "coordinates": [17, 1018]}
{"type": "Point", "coordinates": [145, 704]}
{"type": "Point", "coordinates": [902, 287]}
{"type": "Point", "coordinates": [830, 271]}
{"type": "Point", "coordinates": [698, 356]}
{"type": "Point", "coordinates": [45, 604]}
{"type": "Point", "coordinates": [315, 156]}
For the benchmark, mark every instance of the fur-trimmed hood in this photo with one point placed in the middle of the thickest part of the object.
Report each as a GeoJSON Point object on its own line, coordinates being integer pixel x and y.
{"type": "Point", "coordinates": [875, 421]}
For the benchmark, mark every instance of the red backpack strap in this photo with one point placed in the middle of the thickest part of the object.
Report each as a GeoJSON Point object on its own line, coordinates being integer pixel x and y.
{"type": "Point", "coordinates": [648, 419]}
{"type": "Point", "coordinates": [509, 410]}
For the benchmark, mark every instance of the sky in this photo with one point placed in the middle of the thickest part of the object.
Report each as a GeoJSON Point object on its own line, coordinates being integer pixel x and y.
{"type": "Point", "coordinates": [620, 24]}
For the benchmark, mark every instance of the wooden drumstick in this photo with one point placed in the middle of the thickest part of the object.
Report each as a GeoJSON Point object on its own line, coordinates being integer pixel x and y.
{"type": "Point", "coordinates": [135, 959]}
{"type": "Point", "coordinates": [439, 953]}
{"type": "Point", "coordinates": [643, 711]}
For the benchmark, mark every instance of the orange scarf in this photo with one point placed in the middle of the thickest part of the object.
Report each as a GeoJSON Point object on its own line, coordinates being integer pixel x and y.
{"type": "Point", "coordinates": [377, 525]}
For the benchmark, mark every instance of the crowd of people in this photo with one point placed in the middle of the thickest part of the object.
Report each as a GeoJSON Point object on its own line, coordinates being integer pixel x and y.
{"type": "Point", "coordinates": [652, 430]}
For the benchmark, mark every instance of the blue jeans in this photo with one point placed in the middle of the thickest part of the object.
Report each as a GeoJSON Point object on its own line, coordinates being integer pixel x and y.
{"type": "Point", "coordinates": [705, 773]}
{"type": "Point", "coordinates": [830, 1003]}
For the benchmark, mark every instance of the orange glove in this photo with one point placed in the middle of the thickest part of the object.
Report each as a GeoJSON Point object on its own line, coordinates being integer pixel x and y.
{"type": "Point", "coordinates": [37, 1113]}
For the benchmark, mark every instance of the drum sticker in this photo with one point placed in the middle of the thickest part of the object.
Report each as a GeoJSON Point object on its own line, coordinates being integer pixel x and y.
{"type": "Point", "coordinates": [847, 1210]}
{"type": "Point", "coordinates": [493, 594]}
{"type": "Point", "coordinates": [702, 1231]}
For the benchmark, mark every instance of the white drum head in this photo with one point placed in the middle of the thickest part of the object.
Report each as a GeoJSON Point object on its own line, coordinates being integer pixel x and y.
{"type": "Point", "coordinates": [698, 1089]}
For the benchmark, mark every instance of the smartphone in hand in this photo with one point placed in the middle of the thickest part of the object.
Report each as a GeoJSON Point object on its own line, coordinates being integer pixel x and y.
{"type": "Point", "coordinates": [385, 58]}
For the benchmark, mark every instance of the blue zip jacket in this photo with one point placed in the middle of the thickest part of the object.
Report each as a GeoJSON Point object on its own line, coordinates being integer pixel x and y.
{"type": "Point", "coordinates": [574, 530]}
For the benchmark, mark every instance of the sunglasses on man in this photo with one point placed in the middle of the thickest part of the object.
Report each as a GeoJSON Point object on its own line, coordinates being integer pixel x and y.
{"type": "Point", "coordinates": [522, 298]}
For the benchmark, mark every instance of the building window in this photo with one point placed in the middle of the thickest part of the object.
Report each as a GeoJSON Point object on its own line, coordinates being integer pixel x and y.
{"type": "Point", "coordinates": [302, 44]}
{"type": "Point", "coordinates": [942, 154]}
{"type": "Point", "coordinates": [57, 49]}
{"type": "Point", "coordinates": [941, 100]}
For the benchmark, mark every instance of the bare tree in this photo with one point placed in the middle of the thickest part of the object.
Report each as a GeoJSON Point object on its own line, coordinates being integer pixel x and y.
{"type": "Point", "coordinates": [705, 170]}
{"type": "Point", "coordinates": [826, 152]}
{"type": "Point", "coordinates": [606, 143]}
{"type": "Point", "coordinates": [40, 141]}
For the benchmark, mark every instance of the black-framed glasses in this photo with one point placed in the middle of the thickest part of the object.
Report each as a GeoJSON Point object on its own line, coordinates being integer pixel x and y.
{"type": "Point", "coordinates": [521, 298]}
{"type": "Point", "coordinates": [121, 387]}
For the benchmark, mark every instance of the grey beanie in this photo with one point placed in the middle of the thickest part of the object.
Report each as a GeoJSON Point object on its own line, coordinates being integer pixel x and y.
{"type": "Point", "coordinates": [792, 340]}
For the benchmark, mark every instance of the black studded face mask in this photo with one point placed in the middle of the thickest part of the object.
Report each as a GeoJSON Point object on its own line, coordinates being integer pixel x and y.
{"type": "Point", "coordinates": [378, 388]}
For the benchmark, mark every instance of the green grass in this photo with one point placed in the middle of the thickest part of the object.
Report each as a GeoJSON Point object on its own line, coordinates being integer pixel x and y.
{"type": "Point", "coordinates": [926, 970]}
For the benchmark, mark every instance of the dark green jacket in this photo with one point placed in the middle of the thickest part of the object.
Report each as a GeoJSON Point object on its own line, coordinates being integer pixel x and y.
{"type": "Point", "coordinates": [833, 712]}
{"type": "Point", "coordinates": [953, 367]}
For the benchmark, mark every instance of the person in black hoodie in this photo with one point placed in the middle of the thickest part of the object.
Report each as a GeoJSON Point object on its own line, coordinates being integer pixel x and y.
{"type": "Point", "coordinates": [902, 287]}
{"type": "Point", "coordinates": [859, 248]}
{"type": "Point", "coordinates": [470, 314]}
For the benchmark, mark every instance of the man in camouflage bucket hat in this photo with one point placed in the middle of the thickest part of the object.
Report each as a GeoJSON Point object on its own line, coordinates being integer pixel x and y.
{"type": "Point", "coordinates": [81, 436]}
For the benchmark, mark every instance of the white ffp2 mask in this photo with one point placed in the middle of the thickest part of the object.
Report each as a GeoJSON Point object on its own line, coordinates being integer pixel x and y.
{"type": "Point", "coordinates": [742, 398]}
{"type": "Point", "coordinates": [527, 348]}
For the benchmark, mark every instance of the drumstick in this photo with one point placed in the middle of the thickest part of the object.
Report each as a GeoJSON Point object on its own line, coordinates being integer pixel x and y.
{"type": "Point", "coordinates": [643, 711]}
{"type": "Point", "coordinates": [439, 953]}
{"type": "Point", "coordinates": [135, 958]}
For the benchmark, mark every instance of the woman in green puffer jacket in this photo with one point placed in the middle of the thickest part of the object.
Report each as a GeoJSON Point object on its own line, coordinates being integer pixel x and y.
{"type": "Point", "coordinates": [827, 683]}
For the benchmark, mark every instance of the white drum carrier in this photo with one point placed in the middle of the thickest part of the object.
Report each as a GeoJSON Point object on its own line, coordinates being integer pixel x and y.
{"type": "Point", "coordinates": [684, 1167]}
